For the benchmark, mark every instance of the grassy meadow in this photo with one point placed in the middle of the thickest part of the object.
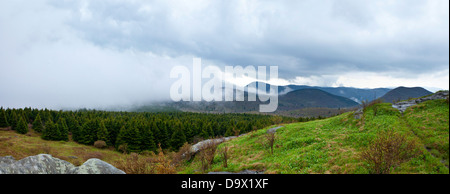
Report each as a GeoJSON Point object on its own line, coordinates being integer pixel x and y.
{"type": "Point", "coordinates": [329, 146]}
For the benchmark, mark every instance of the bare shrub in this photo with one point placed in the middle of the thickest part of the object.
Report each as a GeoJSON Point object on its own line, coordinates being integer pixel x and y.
{"type": "Point", "coordinates": [163, 164]}
{"type": "Point", "coordinates": [206, 155]}
{"type": "Point", "coordinates": [100, 144]}
{"type": "Point", "coordinates": [184, 154]}
{"type": "Point", "coordinates": [364, 104]}
{"type": "Point", "coordinates": [388, 150]}
{"type": "Point", "coordinates": [123, 148]}
{"type": "Point", "coordinates": [135, 164]}
{"type": "Point", "coordinates": [150, 163]}
{"type": "Point", "coordinates": [225, 156]}
{"type": "Point", "coordinates": [270, 141]}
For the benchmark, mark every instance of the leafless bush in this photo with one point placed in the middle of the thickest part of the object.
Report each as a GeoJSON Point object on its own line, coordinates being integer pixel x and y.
{"type": "Point", "coordinates": [183, 154]}
{"type": "Point", "coordinates": [225, 156]}
{"type": "Point", "coordinates": [206, 155]}
{"type": "Point", "coordinates": [123, 148]}
{"type": "Point", "coordinates": [100, 144]}
{"type": "Point", "coordinates": [270, 141]}
{"type": "Point", "coordinates": [134, 164]}
{"type": "Point", "coordinates": [388, 150]}
{"type": "Point", "coordinates": [163, 164]}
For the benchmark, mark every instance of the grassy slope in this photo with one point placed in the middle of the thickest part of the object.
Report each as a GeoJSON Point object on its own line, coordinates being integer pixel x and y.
{"type": "Point", "coordinates": [20, 146]}
{"type": "Point", "coordinates": [324, 146]}
{"type": "Point", "coordinates": [332, 145]}
{"type": "Point", "coordinates": [430, 122]}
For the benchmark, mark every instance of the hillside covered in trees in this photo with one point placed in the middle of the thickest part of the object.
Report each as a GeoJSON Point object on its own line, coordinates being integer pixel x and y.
{"type": "Point", "coordinates": [132, 131]}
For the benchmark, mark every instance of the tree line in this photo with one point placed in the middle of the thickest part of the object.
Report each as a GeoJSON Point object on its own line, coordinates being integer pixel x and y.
{"type": "Point", "coordinates": [134, 131]}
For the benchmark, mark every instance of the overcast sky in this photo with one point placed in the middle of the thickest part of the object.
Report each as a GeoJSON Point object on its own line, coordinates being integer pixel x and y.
{"type": "Point", "coordinates": [73, 54]}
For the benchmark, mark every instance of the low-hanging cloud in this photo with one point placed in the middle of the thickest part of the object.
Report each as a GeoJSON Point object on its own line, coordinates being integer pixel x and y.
{"type": "Point", "coordinates": [85, 53]}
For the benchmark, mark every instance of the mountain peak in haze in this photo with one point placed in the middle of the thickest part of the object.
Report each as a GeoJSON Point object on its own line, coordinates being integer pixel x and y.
{"type": "Point", "coordinates": [404, 93]}
{"type": "Point", "coordinates": [311, 97]}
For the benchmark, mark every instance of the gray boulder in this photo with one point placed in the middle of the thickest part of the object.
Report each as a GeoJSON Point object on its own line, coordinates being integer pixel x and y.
{"type": "Point", "coordinates": [96, 166]}
{"type": "Point", "coordinates": [46, 164]}
{"type": "Point", "coordinates": [200, 145]}
{"type": "Point", "coordinates": [273, 130]}
{"type": "Point", "coordinates": [403, 105]}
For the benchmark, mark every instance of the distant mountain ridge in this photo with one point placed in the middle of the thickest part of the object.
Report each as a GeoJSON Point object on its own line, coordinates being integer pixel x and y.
{"type": "Point", "coordinates": [294, 100]}
{"type": "Point", "coordinates": [355, 94]}
{"type": "Point", "coordinates": [306, 98]}
{"type": "Point", "coordinates": [404, 93]}
{"type": "Point", "coordinates": [298, 99]}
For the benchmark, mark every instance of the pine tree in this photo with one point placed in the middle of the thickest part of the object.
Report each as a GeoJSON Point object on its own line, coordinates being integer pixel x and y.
{"type": "Point", "coordinates": [3, 119]}
{"type": "Point", "coordinates": [205, 134]}
{"type": "Point", "coordinates": [37, 124]}
{"type": "Point", "coordinates": [129, 135]}
{"type": "Point", "coordinates": [14, 120]}
{"type": "Point", "coordinates": [103, 134]}
{"type": "Point", "coordinates": [178, 138]}
{"type": "Point", "coordinates": [22, 126]}
{"type": "Point", "coordinates": [88, 132]}
{"type": "Point", "coordinates": [164, 138]}
{"type": "Point", "coordinates": [76, 131]}
{"type": "Point", "coordinates": [156, 132]}
{"type": "Point", "coordinates": [211, 130]}
{"type": "Point", "coordinates": [63, 130]}
{"type": "Point", "coordinates": [147, 140]}
{"type": "Point", "coordinates": [229, 132]}
{"type": "Point", "coordinates": [51, 131]}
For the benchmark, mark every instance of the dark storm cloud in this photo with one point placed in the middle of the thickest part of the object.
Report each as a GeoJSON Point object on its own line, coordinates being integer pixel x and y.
{"type": "Point", "coordinates": [318, 37]}
{"type": "Point", "coordinates": [127, 48]}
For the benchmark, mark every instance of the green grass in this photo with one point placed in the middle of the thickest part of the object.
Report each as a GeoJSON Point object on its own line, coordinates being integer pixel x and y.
{"type": "Point", "coordinates": [430, 122]}
{"type": "Point", "coordinates": [333, 145]}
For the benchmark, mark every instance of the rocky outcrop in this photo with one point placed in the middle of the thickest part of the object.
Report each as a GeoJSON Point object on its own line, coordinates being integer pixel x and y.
{"type": "Point", "coordinates": [198, 146]}
{"type": "Point", "coordinates": [403, 105]}
{"type": "Point", "coordinates": [46, 164]}
{"type": "Point", "coordinates": [273, 130]}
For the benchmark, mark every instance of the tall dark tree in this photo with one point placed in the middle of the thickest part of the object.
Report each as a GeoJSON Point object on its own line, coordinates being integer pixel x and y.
{"type": "Point", "coordinates": [14, 120]}
{"type": "Point", "coordinates": [164, 138]}
{"type": "Point", "coordinates": [3, 118]}
{"type": "Point", "coordinates": [129, 136]}
{"type": "Point", "coordinates": [229, 132]}
{"type": "Point", "coordinates": [22, 126]}
{"type": "Point", "coordinates": [178, 138]}
{"type": "Point", "coordinates": [147, 140]}
{"type": "Point", "coordinates": [102, 133]}
{"type": "Point", "coordinates": [88, 132]}
{"type": "Point", "coordinates": [51, 131]}
{"type": "Point", "coordinates": [63, 130]}
{"type": "Point", "coordinates": [37, 124]}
